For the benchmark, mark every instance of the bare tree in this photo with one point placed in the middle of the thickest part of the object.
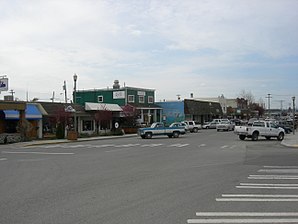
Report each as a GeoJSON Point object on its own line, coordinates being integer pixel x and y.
{"type": "Point", "coordinates": [248, 96]}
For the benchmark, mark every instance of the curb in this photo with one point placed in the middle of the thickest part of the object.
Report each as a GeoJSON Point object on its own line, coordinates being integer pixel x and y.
{"type": "Point", "coordinates": [49, 142]}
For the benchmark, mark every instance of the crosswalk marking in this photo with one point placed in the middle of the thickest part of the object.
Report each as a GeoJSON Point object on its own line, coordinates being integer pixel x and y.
{"type": "Point", "coordinates": [242, 221]}
{"type": "Point", "coordinates": [284, 170]}
{"type": "Point", "coordinates": [277, 173]}
{"type": "Point", "coordinates": [3, 159]}
{"type": "Point", "coordinates": [273, 177]}
{"type": "Point", "coordinates": [260, 195]}
{"type": "Point", "coordinates": [260, 214]}
{"type": "Point", "coordinates": [257, 199]}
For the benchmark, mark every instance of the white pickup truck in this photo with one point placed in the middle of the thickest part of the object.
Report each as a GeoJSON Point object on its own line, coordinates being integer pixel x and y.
{"type": "Point", "coordinates": [265, 129]}
{"type": "Point", "coordinates": [158, 128]}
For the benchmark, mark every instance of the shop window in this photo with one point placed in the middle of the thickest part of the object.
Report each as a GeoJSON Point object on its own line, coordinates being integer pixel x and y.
{"type": "Point", "coordinates": [88, 125]}
{"type": "Point", "coordinates": [141, 99]}
{"type": "Point", "coordinates": [131, 98]}
{"type": "Point", "coordinates": [100, 99]}
{"type": "Point", "coordinates": [150, 99]}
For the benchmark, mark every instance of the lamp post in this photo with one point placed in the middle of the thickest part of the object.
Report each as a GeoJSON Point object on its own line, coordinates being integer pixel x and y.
{"type": "Point", "coordinates": [75, 78]}
{"type": "Point", "coordinates": [293, 98]}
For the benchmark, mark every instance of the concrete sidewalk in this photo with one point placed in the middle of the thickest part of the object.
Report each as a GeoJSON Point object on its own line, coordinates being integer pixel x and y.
{"type": "Point", "coordinates": [291, 140]}
{"type": "Point", "coordinates": [61, 141]}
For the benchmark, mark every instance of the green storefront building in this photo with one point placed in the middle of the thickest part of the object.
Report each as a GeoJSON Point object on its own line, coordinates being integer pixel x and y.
{"type": "Point", "coordinates": [140, 100]}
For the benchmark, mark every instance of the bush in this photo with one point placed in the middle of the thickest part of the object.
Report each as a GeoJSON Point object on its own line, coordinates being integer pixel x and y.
{"type": "Point", "coordinates": [60, 131]}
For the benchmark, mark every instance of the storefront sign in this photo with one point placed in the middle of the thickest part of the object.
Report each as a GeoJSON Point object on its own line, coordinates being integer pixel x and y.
{"type": "Point", "coordinates": [119, 95]}
{"type": "Point", "coordinates": [4, 84]}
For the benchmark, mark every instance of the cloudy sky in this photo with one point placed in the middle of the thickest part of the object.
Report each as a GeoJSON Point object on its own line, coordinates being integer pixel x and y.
{"type": "Point", "coordinates": [204, 47]}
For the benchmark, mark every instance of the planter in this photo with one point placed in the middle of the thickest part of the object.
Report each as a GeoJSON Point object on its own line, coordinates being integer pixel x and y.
{"type": "Point", "coordinates": [130, 130]}
{"type": "Point", "coordinates": [72, 135]}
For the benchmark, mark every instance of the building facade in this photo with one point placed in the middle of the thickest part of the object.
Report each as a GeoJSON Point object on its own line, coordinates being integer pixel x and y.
{"type": "Point", "coordinates": [140, 99]}
{"type": "Point", "coordinates": [190, 109]}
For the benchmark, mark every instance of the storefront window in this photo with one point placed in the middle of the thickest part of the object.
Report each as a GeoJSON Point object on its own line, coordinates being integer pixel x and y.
{"type": "Point", "coordinates": [88, 125]}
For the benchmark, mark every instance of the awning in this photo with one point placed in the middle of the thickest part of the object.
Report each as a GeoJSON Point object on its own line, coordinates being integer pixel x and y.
{"type": "Point", "coordinates": [103, 107]}
{"type": "Point", "coordinates": [31, 113]}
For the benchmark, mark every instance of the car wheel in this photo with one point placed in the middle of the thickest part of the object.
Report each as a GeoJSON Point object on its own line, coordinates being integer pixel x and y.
{"type": "Point", "coordinates": [242, 137]}
{"type": "Point", "coordinates": [280, 136]}
{"type": "Point", "coordinates": [195, 130]}
{"type": "Point", "coordinates": [255, 136]}
{"type": "Point", "coordinates": [148, 135]}
{"type": "Point", "coordinates": [176, 134]}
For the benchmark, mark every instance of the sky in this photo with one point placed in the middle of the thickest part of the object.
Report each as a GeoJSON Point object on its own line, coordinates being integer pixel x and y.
{"type": "Point", "coordinates": [204, 47]}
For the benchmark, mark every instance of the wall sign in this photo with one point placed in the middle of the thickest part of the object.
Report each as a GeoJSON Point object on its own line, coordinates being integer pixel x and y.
{"type": "Point", "coordinates": [119, 95]}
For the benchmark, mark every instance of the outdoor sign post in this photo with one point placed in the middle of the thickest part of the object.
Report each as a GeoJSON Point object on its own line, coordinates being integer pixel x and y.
{"type": "Point", "coordinates": [3, 83]}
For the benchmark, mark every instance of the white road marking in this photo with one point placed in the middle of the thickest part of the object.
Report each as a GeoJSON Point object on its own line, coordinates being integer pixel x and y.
{"type": "Point", "coordinates": [151, 145]}
{"type": "Point", "coordinates": [257, 199]}
{"type": "Point", "coordinates": [267, 186]}
{"type": "Point", "coordinates": [260, 214]}
{"type": "Point", "coordinates": [260, 195]}
{"type": "Point", "coordinates": [273, 177]}
{"type": "Point", "coordinates": [242, 221]}
{"type": "Point", "coordinates": [40, 153]}
{"type": "Point", "coordinates": [224, 146]}
{"type": "Point", "coordinates": [281, 167]}
{"type": "Point", "coordinates": [202, 145]}
{"type": "Point", "coordinates": [233, 146]}
{"type": "Point", "coordinates": [278, 170]}
{"type": "Point", "coordinates": [276, 185]}
{"type": "Point", "coordinates": [3, 159]}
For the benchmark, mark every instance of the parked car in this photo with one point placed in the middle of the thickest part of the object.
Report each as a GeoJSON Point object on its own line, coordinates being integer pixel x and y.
{"type": "Point", "coordinates": [209, 125]}
{"type": "Point", "coordinates": [192, 126]}
{"type": "Point", "coordinates": [180, 124]}
{"type": "Point", "coordinates": [225, 126]}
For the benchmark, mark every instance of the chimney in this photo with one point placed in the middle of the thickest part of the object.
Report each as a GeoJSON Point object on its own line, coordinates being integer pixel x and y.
{"type": "Point", "coordinates": [191, 95]}
{"type": "Point", "coordinates": [116, 84]}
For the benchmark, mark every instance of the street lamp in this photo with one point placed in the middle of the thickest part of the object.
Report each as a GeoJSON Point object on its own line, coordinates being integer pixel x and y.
{"type": "Point", "coordinates": [293, 98]}
{"type": "Point", "coordinates": [75, 78]}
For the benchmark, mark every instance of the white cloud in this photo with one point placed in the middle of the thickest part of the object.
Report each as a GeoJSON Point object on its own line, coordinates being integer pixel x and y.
{"type": "Point", "coordinates": [189, 46]}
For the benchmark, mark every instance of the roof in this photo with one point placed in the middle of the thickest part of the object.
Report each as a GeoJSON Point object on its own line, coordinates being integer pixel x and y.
{"type": "Point", "coordinates": [53, 108]}
{"type": "Point", "coordinates": [103, 106]}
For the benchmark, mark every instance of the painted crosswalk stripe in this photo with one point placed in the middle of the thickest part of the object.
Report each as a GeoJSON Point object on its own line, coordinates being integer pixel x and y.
{"type": "Point", "coordinates": [257, 199]}
{"type": "Point", "coordinates": [202, 145]}
{"type": "Point", "coordinates": [260, 195]}
{"type": "Point", "coordinates": [267, 186]}
{"type": "Point", "coordinates": [281, 167]}
{"type": "Point", "coordinates": [242, 221]}
{"type": "Point", "coordinates": [3, 159]}
{"type": "Point", "coordinates": [278, 171]}
{"type": "Point", "coordinates": [259, 214]}
{"type": "Point", "coordinates": [273, 177]}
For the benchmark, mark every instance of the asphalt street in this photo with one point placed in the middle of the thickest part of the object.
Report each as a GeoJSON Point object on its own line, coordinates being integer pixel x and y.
{"type": "Point", "coordinates": [205, 177]}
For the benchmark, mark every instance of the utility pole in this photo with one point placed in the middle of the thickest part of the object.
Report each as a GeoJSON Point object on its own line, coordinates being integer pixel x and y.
{"type": "Point", "coordinates": [65, 91]}
{"type": "Point", "coordinates": [269, 97]}
{"type": "Point", "coordinates": [294, 111]}
{"type": "Point", "coordinates": [12, 92]}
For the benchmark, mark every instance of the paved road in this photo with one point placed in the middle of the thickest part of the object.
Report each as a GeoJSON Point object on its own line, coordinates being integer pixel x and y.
{"type": "Point", "coordinates": [160, 180]}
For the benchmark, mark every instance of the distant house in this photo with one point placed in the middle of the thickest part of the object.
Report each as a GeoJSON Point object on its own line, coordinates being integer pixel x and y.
{"type": "Point", "coordinates": [140, 100]}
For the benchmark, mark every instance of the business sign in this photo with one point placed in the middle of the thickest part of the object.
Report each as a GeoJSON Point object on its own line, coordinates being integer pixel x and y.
{"type": "Point", "coordinates": [119, 95]}
{"type": "Point", "coordinates": [141, 93]}
{"type": "Point", "coordinates": [4, 84]}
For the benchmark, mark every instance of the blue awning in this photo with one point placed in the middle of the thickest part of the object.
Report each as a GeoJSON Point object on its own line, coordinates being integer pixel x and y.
{"type": "Point", "coordinates": [31, 113]}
